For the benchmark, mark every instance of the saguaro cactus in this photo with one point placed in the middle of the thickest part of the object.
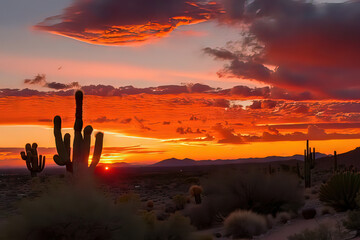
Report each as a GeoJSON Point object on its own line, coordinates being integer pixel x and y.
{"type": "Point", "coordinates": [335, 162]}
{"type": "Point", "coordinates": [309, 163]}
{"type": "Point", "coordinates": [81, 144]}
{"type": "Point", "coordinates": [34, 163]}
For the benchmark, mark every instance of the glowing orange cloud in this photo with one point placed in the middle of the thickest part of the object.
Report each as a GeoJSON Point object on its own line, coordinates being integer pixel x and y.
{"type": "Point", "coordinates": [120, 23]}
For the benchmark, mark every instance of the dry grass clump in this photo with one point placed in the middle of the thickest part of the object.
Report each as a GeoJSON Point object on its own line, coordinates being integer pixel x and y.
{"type": "Point", "coordinates": [283, 217]}
{"type": "Point", "coordinates": [245, 224]}
{"type": "Point", "coordinates": [180, 201]}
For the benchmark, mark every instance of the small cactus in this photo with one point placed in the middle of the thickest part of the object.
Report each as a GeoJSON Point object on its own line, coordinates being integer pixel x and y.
{"type": "Point", "coordinates": [196, 191]}
{"type": "Point", "coordinates": [309, 163]}
{"type": "Point", "coordinates": [335, 162]}
{"type": "Point", "coordinates": [34, 163]}
{"type": "Point", "coordinates": [81, 145]}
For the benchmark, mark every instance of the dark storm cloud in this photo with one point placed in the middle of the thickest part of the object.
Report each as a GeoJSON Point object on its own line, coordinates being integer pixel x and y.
{"type": "Point", "coordinates": [314, 47]}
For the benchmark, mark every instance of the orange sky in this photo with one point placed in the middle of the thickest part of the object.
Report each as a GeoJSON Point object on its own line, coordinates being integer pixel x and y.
{"type": "Point", "coordinates": [145, 128]}
{"type": "Point", "coordinates": [271, 75]}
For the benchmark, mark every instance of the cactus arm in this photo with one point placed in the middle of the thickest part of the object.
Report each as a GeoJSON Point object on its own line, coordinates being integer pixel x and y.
{"type": "Point", "coordinates": [41, 162]}
{"type": "Point", "coordinates": [87, 143]}
{"type": "Point", "coordinates": [27, 147]}
{"type": "Point", "coordinates": [99, 139]}
{"type": "Point", "coordinates": [23, 156]}
{"type": "Point", "coordinates": [63, 157]}
{"type": "Point", "coordinates": [34, 149]}
{"type": "Point", "coordinates": [28, 161]}
{"type": "Point", "coordinates": [67, 139]}
{"type": "Point", "coordinates": [59, 161]}
{"type": "Point", "coordinates": [67, 144]}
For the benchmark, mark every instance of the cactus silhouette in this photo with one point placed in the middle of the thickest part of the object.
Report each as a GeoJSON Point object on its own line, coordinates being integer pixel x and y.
{"type": "Point", "coordinates": [335, 162]}
{"type": "Point", "coordinates": [34, 163]}
{"type": "Point", "coordinates": [309, 163]}
{"type": "Point", "coordinates": [81, 145]}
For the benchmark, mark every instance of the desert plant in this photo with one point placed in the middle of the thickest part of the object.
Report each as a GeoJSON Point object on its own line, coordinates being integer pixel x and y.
{"type": "Point", "coordinates": [35, 163]}
{"type": "Point", "coordinates": [264, 194]}
{"type": "Point", "coordinates": [244, 224]}
{"type": "Point", "coordinates": [81, 145]}
{"type": "Point", "coordinates": [340, 191]}
{"type": "Point", "coordinates": [176, 227]}
{"type": "Point", "coordinates": [74, 212]}
{"type": "Point", "coordinates": [180, 201]}
{"type": "Point", "coordinates": [335, 162]}
{"type": "Point", "coordinates": [201, 216]}
{"type": "Point", "coordinates": [309, 163]}
{"type": "Point", "coordinates": [283, 217]}
{"type": "Point", "coordinates": [196, 191]}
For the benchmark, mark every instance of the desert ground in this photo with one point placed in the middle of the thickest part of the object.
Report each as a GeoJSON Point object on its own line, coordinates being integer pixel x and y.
{"type": "Point", "coordinates": [164, 191]}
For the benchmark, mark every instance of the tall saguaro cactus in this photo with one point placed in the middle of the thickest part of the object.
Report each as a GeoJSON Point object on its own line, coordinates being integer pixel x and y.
{"type": "Point", "coordinates": [81, 145]}
{"type": "Point", "coordinates": [34, 162]}
{"type": "Point", "coordinates": [335, 162]}
{"type": "Point", "coordinates": [309, 163]}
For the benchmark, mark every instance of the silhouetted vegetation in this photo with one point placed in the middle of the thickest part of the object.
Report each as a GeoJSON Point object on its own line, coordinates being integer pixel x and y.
{"type": "Point", "coordinates": [81, 145]}
{"type": "Point", "coordinates": [341, 190]}
{"type": "Point", "coordinates": [35, 163]}
{"type": "Point", "coordinates": [244, 224]}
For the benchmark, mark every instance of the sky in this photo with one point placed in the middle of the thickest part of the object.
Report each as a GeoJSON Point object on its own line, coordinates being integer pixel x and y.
{"type": "Point", "coordinates": [198, 79]}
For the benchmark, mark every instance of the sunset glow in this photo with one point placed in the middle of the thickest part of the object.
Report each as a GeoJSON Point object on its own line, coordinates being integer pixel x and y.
{"type": "Point", "coordinates": [182, 79]}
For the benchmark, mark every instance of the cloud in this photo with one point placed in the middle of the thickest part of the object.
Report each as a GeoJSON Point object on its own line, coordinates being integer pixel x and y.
{"type": "Point", "coordinates": [104, 120]}
{"type": "Point", "coordinates": [120, 22]}
{"type": "Point", "coordinates": [108, 90]}
{"type": "Point", "coordinates": [312, 48]}
{"type": "Point", "coordinates": [313, 133]}
{"type": "Point", "coordinates": [227, 135]}
{"type": "Point", "coordinates": [207, 138]}
{"type": "Point", "coordinates": [41, 80]}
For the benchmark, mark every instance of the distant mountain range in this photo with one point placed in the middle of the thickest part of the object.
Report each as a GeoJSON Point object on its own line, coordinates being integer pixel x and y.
{"type": "Point", "coordinates": [174, 162]}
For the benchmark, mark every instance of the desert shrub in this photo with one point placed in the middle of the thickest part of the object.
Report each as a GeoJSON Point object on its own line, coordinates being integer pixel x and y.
{"type": "Point", "coordinates": [283, 217]}
{"type": "Point", "coordinates": [322, 232]}
{"type": "Point", "coordinates": [308, 213]}
{"type": "Point", "coordinates": [264, 194]}
{"type": "Point", "coordinates": [340, 191]}
{"type": "Point", "coordinates": [201, 216]}
{"type": "Point", "coordinates": [244, 224]}
{"type": "Point", "coordinates": [180, 201]}
{"type": "Point", "coordinates": [72, 212]}
{"type": "Point", "coordinates": [176, 227]}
